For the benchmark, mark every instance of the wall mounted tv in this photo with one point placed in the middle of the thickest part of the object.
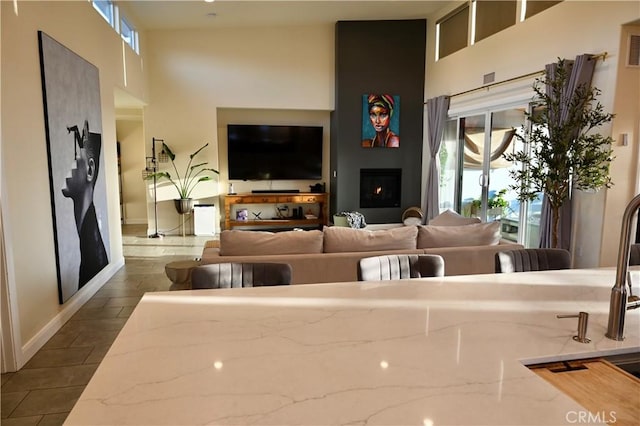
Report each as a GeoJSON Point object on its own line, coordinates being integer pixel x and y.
{"type": "Point", "coordinates": [261, 152]}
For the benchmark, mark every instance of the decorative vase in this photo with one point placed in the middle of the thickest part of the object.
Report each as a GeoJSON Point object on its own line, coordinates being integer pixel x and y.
{"type": "Point", "coordinates": [183, 205]}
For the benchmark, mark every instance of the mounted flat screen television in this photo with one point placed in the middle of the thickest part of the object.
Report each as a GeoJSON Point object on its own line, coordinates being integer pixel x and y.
{"type": "Point", "coordinates": [261, 152]}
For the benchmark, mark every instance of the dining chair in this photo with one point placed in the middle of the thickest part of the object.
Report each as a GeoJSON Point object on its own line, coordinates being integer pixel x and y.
{"type": "Point", "coordinates": [400, 266]}
{"type": "Point", "coordinates": [634, 254]}
{"type": "Point", "coordinates": [232, 275]}
{"type": "Point", "coordinates": [532, 259]}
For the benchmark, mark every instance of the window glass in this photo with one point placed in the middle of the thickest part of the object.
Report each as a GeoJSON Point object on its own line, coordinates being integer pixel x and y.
{"type": "Point", "coordinates": [494, 16]}
{"type": "Point", "coordinates": [537, 6]}
{"type": "Point", "coordinates": [105, 8]}
{"type": "Point", "coordinates": [128, 34]}
{"type": "Point", "coordinates": [453, 31]}
{"type": "Point", "coordinates": [473, 185]}
{"type": "Point", "coordinates": [448, 156]}
{"type": "Point", "coordinates": [502, 203]}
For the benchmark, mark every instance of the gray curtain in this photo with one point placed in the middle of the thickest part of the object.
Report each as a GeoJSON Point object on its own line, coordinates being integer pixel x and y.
{"type": "Point", "coordinates": [436, 115]}
{"type": "Point", "coordinates": [581, 73]}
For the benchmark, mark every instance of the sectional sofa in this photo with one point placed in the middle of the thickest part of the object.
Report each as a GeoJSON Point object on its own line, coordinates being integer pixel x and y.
{"type": "Point", "coordinates": [332, 255]}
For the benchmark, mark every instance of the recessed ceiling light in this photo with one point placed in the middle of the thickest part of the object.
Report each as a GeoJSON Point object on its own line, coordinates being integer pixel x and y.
{"type": "Point", "coordinates": [209, 1]}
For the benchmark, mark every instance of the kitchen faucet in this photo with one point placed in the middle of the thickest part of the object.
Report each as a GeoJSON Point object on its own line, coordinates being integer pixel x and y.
{"type": "Point", "coordinates": [619, 303]}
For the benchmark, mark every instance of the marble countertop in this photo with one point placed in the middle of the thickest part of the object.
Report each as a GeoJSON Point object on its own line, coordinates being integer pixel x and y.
{"type": "Point", "coordinates": [435, 351]}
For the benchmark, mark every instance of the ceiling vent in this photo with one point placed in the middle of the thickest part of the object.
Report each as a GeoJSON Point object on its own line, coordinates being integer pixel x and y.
{"type": "Point", "coordinates": [633, 56]}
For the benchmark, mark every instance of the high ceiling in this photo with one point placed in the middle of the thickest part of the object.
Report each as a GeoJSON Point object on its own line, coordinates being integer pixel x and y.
{"type": "Point", "coordinates": [191, 14]}
{"type": "Point", "coordinates": [182, 14]}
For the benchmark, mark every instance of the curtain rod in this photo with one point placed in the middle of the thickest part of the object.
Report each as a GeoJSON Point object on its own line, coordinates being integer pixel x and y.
{"type": "Point", "coordinates": [602, 56]}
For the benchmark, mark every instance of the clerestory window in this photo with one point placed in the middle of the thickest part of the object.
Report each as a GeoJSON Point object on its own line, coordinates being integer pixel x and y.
{"type": "Point", "coordinates": [111, 13]}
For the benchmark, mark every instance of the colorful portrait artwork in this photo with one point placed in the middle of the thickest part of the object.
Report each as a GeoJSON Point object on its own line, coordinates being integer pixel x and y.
{"type": "Point", "coordinates": [73, 129]}
{"type": "Point", "coordinates": [380, 121]}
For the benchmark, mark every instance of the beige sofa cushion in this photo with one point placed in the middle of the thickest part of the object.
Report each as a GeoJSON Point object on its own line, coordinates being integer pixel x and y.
{"type": "Point", "coordinates": [451, 218]}
{"type": "Point", "coordinates": [470, 260]}
{"type": "Point", "coordinates": [338, 239]}
{"type": "Point", "coordinates": [340, 267]}
{"type": "Point", "coordinates": [250, 243]}
{"type": "Point", "coordinates": [476, 234]}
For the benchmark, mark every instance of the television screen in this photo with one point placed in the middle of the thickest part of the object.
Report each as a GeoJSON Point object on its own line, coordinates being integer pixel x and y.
{"type": "Point", "coordinates": [261, 152]}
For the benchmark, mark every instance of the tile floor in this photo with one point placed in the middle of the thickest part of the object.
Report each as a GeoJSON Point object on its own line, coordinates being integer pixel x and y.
{"type": "Point", "coordinates": [44, 391]}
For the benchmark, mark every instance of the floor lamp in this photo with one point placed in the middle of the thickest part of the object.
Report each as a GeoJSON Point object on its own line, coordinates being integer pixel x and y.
{"type": "Point", "coordinates": [151, 170]}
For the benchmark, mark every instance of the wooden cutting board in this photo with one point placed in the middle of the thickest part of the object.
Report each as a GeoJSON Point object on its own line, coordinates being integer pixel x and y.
{"type": "Point", "coordinates": [609, 393]}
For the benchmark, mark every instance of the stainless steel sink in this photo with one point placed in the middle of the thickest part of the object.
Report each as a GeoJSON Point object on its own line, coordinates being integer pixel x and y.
{"type": "Point", "coordinates": [628, 362]}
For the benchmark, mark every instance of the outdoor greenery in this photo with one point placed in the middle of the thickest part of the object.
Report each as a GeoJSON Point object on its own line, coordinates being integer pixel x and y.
{"type": "Point", "coordinates": [495, 202]}
{"type": "Point", "coordinates": [443, 155]}
{"type": "Point", "coordinates": [193, 174]}
{"type": "Point", "coordinates": [498, 201]}
{"type": "Point", "coordinates": [564, 153]}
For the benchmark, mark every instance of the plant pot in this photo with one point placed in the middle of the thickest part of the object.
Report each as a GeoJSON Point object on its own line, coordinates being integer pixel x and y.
{"type": "Point", "coordinates": [495, 212]}
{"type": "Point", "coordinates": [183, 205]}
{"type": "Point", "coordinates": [340, 220]}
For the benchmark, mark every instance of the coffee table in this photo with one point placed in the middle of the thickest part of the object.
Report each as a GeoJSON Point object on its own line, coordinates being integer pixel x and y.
{"type": "Point", "coordinates": [179, 272]}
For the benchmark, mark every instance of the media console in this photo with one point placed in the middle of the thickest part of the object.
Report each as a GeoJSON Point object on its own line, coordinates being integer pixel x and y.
{"type": "Point", "coordinates": [275, 198]}
{"type": "Point", "coordinates": [275, 191]}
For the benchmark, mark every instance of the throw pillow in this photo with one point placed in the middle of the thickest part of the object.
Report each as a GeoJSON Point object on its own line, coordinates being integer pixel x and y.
{"type": "Point", "coordinates": [339, 239]}
{"type": "Point", "coordinates": [475, 234]}
{"type": "Point", "coordinates": [251, 243]}
{"type": "Point", "coordinates": [451, 218]}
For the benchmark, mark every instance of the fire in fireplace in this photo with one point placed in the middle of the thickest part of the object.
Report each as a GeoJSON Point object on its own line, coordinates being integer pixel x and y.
{"type": "Point", "coordinates": [380, 188]}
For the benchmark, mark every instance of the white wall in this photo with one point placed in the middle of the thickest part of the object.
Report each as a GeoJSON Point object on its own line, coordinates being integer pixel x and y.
{"type": "Point", "coordinates": [26, 205]}
{"type": "Point", "coordinates": [282, 75]}
{"type": "Point", "coordinates": [564, 30]}
{"type": "Point", "coordinates": [626, 171]}
{"type": "Point", "coordinates": [130, 134]}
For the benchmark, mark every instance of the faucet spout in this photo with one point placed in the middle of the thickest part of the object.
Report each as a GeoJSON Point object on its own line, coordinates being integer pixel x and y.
{"type": "Point", "coordinates": [618, 303]}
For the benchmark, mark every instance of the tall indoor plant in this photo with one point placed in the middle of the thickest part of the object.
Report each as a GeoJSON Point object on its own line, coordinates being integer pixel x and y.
{"type": "Point", "coordinates": [191, 177]}
{"type": "Point", "coordinates": [564, 152]}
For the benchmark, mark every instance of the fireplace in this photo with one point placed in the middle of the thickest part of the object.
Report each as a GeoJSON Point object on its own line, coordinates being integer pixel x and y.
{"type": "Point", "coordinates": [380, 188]}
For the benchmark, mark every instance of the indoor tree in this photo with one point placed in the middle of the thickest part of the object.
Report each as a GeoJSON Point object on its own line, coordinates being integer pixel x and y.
{"type": "Point", "coordinates": [563, 151]}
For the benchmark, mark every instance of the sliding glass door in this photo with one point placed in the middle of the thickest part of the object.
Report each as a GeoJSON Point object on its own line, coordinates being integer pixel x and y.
{"type": "Point", "coordinates": [473, 185]}
{"type": "Point", "coordinates": [475, 176]}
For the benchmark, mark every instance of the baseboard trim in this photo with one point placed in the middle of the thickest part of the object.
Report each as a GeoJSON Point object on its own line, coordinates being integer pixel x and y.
{"type": "Point", "coordinates": [135, 221]}
{"type": "Point", "coordinates": [72, 306]}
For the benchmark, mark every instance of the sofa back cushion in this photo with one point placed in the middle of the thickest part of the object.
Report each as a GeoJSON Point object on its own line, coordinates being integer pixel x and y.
{"type": "Point", "coordinates": [251, 243]}
{"type": "Point", "coordinates": [338, 239]}
{"type": "Point", "coordinates": [475, 234]}
{"type": "Point", "coordinates": [451, 218]}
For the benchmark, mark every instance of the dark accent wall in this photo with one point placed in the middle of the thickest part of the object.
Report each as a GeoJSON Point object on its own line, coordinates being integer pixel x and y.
{"type": "Point", "coordinates": [386, 57]}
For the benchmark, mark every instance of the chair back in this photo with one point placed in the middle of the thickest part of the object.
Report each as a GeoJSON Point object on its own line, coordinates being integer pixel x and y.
{"type": "Point", "coordinates": [532, 259]}
{"type": "Point", "coordinates": [232, 275]}
{"type": "Point", "coordinates": [400, 266]}
{"type": "Point", "coordinates": [634, 254]}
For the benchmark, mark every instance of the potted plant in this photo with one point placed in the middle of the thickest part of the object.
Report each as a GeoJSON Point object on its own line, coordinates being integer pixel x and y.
{"type": "Point", "coordinates": [564, 154]}
{"type": "Point", "coordinates": [185, 183]}
{"type": "Point", "coordinates": [497, 204]}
